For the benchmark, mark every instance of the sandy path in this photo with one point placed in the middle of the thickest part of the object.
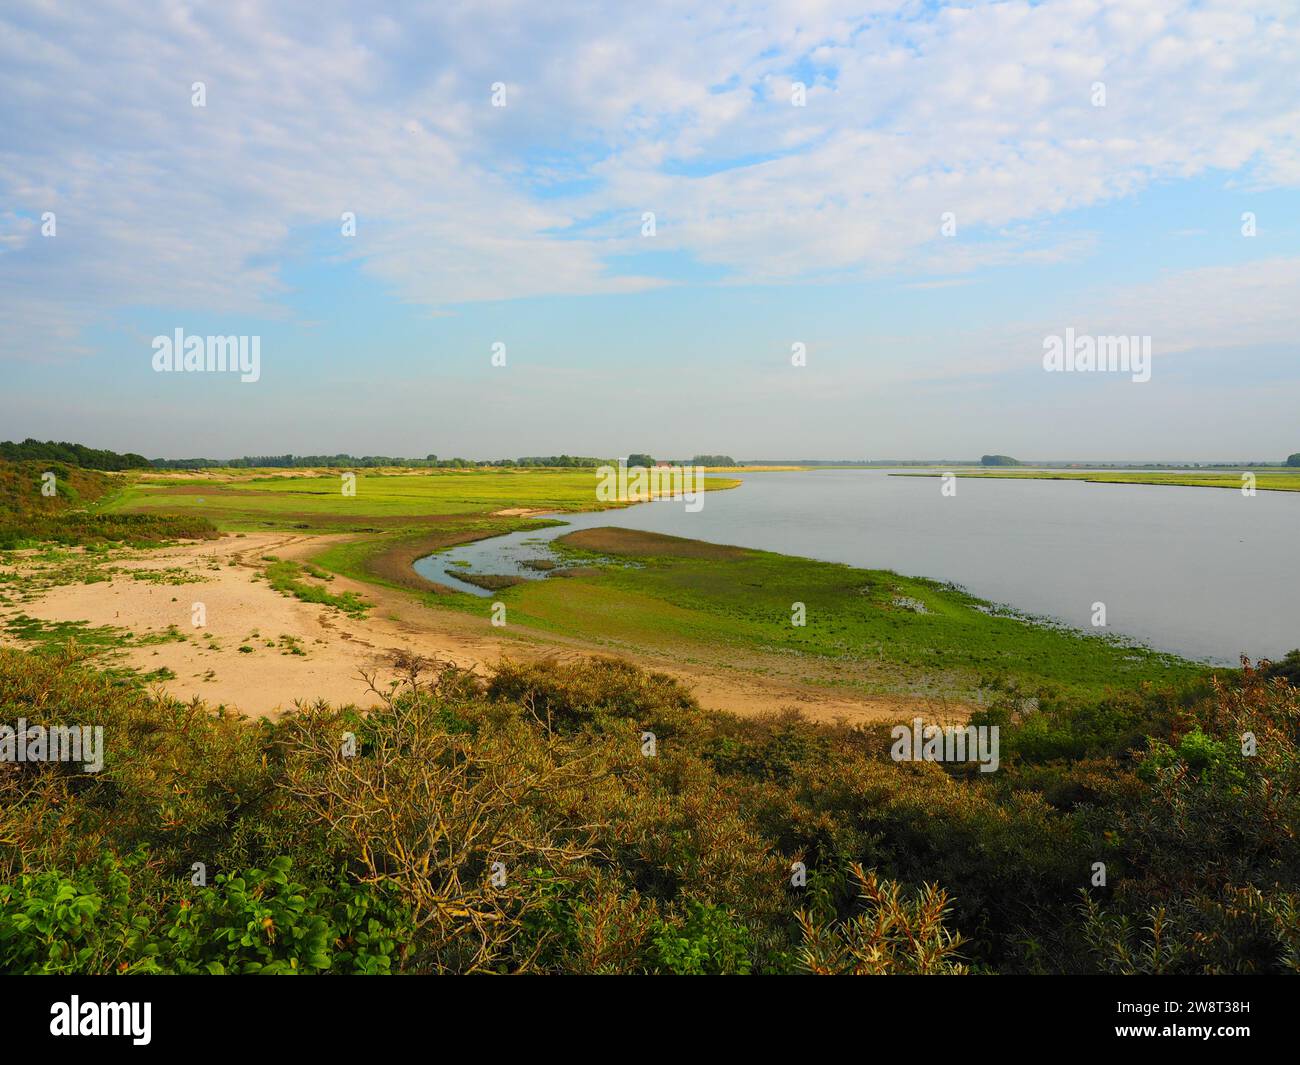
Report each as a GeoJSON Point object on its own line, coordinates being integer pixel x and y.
{"type": "Point", "coordinates": [242, 611]}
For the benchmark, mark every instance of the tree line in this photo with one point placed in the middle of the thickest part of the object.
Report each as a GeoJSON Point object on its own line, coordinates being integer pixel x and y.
{"type": "Point", "coordinates": [88, 458]}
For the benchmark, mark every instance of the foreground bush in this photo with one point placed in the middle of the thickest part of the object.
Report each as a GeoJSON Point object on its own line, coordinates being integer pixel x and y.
{"type": "Point", "coordinates": [523, 825]}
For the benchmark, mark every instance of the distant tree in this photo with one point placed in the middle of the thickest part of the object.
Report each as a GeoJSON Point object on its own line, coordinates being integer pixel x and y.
{"type": "Point", "coordinates": [640, 460]}
{"type": "Point", "coordinates": [1293, 460]}
{"type": "Point", "coordinates": [73, 454]}
{"type": "Point", "coordinates": [999, 460]}
{"type": "Point", "coordinates": [713, 460]}
{"type": "Point", "coordinates": [1288, 668]}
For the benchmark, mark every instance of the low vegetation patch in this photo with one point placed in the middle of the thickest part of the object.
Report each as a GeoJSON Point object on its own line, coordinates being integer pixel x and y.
{"type": "Point", "coordinates": [647, 545]}
{"type": "Point", "coordinates": [29, 517]}
{"type": "Point", "coordinates": [491, 581]}
{"type": "Point", "coordinates": [54, 634]}
{"type": "Point", "coordinates": [287, 579]}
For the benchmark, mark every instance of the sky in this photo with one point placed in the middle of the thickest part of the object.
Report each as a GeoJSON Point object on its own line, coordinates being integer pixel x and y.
{"type": "Point", "coordinates": [913, 196]}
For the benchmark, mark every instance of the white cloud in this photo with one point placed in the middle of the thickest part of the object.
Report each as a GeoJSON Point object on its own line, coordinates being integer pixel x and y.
{"type": "Point", "coordinates": [317, 108]}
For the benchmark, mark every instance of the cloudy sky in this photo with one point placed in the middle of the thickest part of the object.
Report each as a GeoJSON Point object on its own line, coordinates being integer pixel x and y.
{"type": "Point", "coordinates": [1099, 167]}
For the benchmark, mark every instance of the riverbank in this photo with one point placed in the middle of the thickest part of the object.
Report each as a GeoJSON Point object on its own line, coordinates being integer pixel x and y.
{"type": "Point", "coordinates": [1273, 479]}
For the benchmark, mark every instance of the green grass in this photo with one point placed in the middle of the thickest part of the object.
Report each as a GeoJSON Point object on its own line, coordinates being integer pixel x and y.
{"type": "Point", "coordinates": [287, 579]}
{"type": "Point", "coordinates": [51, 634]}
{"type": "Point", "coordinates": [100, 644]}
{"type": "Point", "coordinates": [872, 631]}
{"type": "Point", "coordinates": [1271, 480]}
{"type": "Point", "coordinates": [382, 501]}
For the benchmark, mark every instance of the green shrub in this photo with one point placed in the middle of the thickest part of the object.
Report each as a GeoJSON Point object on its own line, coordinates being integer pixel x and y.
{"type": "Point", "coordinates": [1207, 760]}
{"type": "Point", "coordinates": [264, 922]}
{"type": "Point", "coordinates": [82, 923]}
{"type": "Point", "coordinates": [101, 921]}
{"type": "Point", "coordinates": [894, 934]}
{"type": "Point", "coordinates": [569, 695]}
{"type": "Point", "coordinates": [709, 942]}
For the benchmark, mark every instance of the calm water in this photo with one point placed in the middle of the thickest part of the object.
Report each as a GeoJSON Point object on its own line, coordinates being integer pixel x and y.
{"type": "Point", "coordinates": [1204, 572]}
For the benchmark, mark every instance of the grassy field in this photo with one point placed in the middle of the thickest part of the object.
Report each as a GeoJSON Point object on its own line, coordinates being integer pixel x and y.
{"type": "Point", "coordinates": [258, 502]}
{"type": "Point", "coordinates": [1274, 479]}
{"type": "Point", "coordinates": [396, 516]}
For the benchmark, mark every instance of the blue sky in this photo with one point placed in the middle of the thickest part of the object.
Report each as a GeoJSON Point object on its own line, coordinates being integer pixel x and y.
{"type": "Point", "coordinates": [775, 224]}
